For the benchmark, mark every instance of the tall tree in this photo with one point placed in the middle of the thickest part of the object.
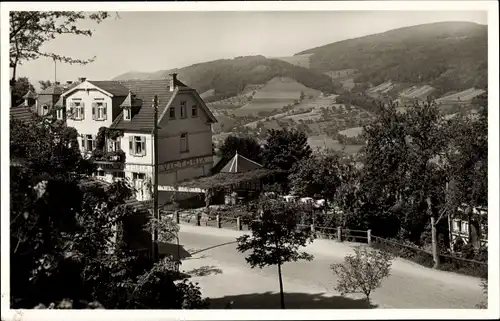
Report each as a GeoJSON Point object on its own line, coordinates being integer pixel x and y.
{"type": "Point", "coordinates": [245, 146]}
{"type": "Point", "coordinates": [44, 84]}
{"type": "Point", "coordinates": [21, 87]}
{"type": "Point", "coordinates": [30, 30]}
{"type": "Point", "coordinates": [275, 238]}
{"type": "Point", "coordinates": [65, 231]}
{"type": "Point", "coordinates": [403, 166]}
{"type": "Point", "coordinates": [468, 160]}
{"type": "Point", "coordinates": [318, 175]}
{"type": "Point", "coordinates": [284, 148]}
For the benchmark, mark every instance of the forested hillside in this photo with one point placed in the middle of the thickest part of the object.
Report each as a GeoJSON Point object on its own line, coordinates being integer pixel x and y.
{"type": "Point", "coordinates": [447, 55]}
{"type": "Point", "coordinates": [228, 77]}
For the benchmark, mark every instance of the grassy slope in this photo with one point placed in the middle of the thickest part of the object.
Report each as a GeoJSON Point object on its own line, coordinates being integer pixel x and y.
{"type": "Point", "coordinates": [448, 55]}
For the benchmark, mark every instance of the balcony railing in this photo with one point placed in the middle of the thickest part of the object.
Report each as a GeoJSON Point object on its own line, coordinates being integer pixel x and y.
{"type": "Point", "coordinates": [114, 156]}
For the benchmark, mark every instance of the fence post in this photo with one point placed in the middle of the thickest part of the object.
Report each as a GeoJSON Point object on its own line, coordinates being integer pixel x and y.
{"type": "Point", "coordinates": [238, 223]}
{"type": "Point", "coordinates": [369, 237]}
{"type": "Point", "coordinates": [198, 219]}
{"type": "Point", "coordinates": [177, 217]}
{"type": "Point", "coordinates": [312, 228]}
{"type": "Point", "coordinates": [218, 221]}
{"type": "Point", "coordinates": [339, 234]}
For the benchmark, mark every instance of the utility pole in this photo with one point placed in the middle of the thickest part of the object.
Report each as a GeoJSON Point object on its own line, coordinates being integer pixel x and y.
{"type": "Point", "coordinates": [156, 212]}
{"type": "Point", "coordinates": [55, 70]}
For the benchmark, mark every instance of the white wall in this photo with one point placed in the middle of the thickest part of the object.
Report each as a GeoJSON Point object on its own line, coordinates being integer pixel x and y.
{"type": "Point", "coordinates": [146, 159]}
{"type": "Point", "coordinates": [199, 132]}
{"type": "Point", "coordinates": [89, 125]}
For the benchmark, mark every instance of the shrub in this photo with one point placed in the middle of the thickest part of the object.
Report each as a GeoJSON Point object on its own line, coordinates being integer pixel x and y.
{"type": "Point", "coordinates": [362, 272]}
{"type": "Point", "coordinates": [484, 304]}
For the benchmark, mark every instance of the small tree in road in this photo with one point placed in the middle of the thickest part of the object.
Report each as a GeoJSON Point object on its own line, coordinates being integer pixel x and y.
{"type": "Point", "coordinates": [363, 271]}
{"type": "Point", "coordinates": [275, 238]}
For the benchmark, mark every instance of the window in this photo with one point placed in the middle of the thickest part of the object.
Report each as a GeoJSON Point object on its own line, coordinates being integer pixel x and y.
{"type": "Point", "coordinates": [99, 110]}
{"type": "Point", "coordinates": [100, 173]}
{"type": "Point", "coordinates": [114, 145]}
{"type": "Point", "coordinates": [60, 113]}
{"type": "Point", "coordinates": [45, 110]}
{"type": "Point", "coordinates": [194, 111]}
{"type": "Point", "coordinates": [184, 143]}
{"type": "Point", "coordinates": [183, 109]}
{"type": "Point", "coordinates": [172, 112]}
{"type": "Point", "coordinates": [137, 146]}
{"type": "Point", "coordinates": [119, 175]}
{"type": "Point", "coordinates": [77, 110]}
{"type": "Point", "coordinates": [127, 114]}
{"type": "Point", "coordinates": [88, 143]}
{"type": "Point", "coordinates": [138, 176]}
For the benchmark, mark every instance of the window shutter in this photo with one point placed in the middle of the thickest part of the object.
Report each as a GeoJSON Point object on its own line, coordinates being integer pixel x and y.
{"type": "Point", "coordinates": [131, 145]}
{"type": "Point", "coordinates": [94, 141]}
{"type": "Point", "coordinates": [83, 110]}
{"type": "Point", "coordinates": [105, 111]}
{"type": "Point", "coordinates": [94, 107]}
{"type": "Point", "coordinates": [143, 146]}
{"type": "Point", "coordinates": [109, 145]}
{"type": "Point", "coordinates": [84, 142]}
{"type": "Point", "coordinates": [72, 110]}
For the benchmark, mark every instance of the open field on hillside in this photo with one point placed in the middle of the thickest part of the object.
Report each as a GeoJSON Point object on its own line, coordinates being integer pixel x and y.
{"type": "Point", "coordinates": [352, 132]}
{"type": "Point", "coordinates": [312, 115]}
{"type": "Point", "coordinates": [348, 84]}
{"type": "Point", "coordinates": [223, 123]}
{"type": "Point", "coordinates": [255, 107]}
{"type": "Point", "coordinates": [299, 60]}
{"type": "Point", "coordinates": [322, 142]}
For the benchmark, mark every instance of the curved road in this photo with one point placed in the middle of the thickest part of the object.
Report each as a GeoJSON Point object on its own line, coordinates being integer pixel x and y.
{"type": "Point", "coordinates": [224, 276]}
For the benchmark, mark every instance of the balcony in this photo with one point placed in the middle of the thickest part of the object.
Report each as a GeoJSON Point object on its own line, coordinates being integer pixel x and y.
{"type": "Point", "coordinates": [109, 160]}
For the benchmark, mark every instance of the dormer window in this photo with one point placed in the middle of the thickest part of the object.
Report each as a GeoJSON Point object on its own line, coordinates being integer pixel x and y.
{"type": "Point", "coordinates": [60, 113]}
{"type": "Point", "coordinates": [194, 111]}
{"type": "Point", "coordinates": [127, 114]}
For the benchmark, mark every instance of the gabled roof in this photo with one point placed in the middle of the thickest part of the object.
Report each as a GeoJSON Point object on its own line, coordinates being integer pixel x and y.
{"type": "Point", "coordinates": [52, 90]}
{"type": "Point", "coordinates": [21, 112]}
{"type": "Point", "coordinates": [146, 90]}
{"type": "Point", "coordinates": [131, 101]}
{"type": "Point", "coordinates": [113, 87]}
{"type": "Point", "coordinates": [30, 94]}
{"type": "Point", "coordinates": [239, 164]}
{"type": "Point", "coordinates": [60, 102]}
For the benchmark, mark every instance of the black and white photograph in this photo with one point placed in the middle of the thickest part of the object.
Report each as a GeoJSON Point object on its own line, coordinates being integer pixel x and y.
{"type": "Point", "coordinates": [213, 161]}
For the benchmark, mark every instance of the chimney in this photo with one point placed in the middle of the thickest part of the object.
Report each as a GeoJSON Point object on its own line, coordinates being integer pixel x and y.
{"type": "Point", "coordinates": [173, 79]}
{"type": "Point", "coordinates": [82, 79]}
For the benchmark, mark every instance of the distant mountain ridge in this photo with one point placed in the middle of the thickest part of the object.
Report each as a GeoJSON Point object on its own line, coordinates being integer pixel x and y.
{"type": "Point", "coordinates": [448, 55]}
{"type": "Point", "coordinates": [228, 77]}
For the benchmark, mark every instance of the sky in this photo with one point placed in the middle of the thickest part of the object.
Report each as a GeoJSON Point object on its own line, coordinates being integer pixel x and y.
{"type": "Point", "coordinates": [151, 41]}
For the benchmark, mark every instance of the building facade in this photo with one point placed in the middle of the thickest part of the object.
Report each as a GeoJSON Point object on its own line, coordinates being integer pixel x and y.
{"type": "Point", "coordinates": [115, 123]}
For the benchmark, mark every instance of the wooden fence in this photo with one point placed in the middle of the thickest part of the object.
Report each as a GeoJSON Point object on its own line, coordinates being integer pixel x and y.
{"type": "Point", "coordinates": [418, 255]}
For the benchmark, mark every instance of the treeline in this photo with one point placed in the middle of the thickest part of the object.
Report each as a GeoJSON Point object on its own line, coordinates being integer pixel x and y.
{"type": "Point", "coordinates": [361, 100]}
